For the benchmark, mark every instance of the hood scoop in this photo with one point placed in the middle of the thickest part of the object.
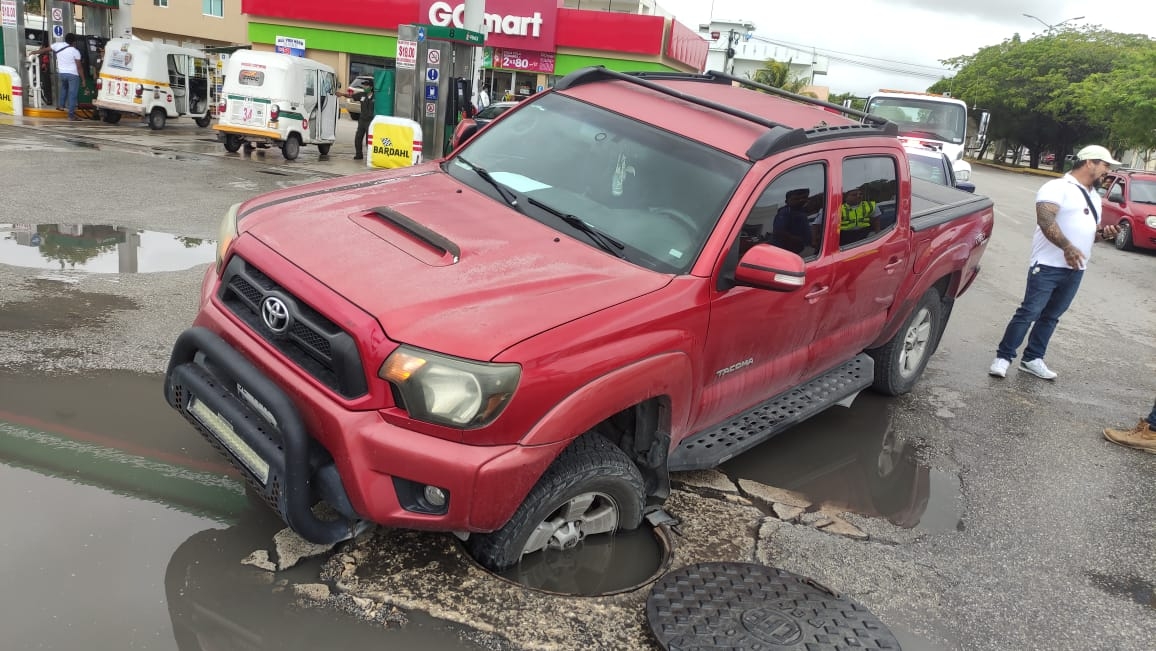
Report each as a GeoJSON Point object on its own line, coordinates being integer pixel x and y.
{"type": "Point", "coordinates": [425, 245]}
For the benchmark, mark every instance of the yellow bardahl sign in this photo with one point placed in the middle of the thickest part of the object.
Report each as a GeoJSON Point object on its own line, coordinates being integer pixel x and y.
{"type": "Point", "coordinates": [394, 142]}
{"type": "Point", "coordinates": [7, 99]}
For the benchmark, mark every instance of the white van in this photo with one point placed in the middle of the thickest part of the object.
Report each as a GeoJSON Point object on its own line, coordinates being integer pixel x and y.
{"type": "Point", "coordinates": [155, 81]}
{"type": "Point", "coordinates": [273, 99]}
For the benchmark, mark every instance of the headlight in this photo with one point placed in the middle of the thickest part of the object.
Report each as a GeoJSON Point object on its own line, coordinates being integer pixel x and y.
{"type": "Point", "coordinates": [226, 234]}
{"type": "Point", "coordinates": [1151, 221]}
{"type": "Point", "coordinates": [448, 390]}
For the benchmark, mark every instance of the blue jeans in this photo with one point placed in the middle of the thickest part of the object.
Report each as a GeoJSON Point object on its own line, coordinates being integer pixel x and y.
{"type": "Point", "coordinates": [70, 91]}
{"type": "Point", "coordinates": [1049, 293]}
{"type": "Point", "coordinates": [1152, 417]}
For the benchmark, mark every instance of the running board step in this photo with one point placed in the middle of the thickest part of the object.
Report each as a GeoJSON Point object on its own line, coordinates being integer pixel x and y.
{"type": "Point", "coordinates": [720, 443]}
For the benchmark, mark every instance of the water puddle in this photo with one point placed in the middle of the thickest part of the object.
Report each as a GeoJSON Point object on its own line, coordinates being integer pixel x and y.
{"type": "Point", "coordinates": [600, 565]}
{"type": "Point", "coordinates": [100, 249]}
{"type": "Point", "coordinates": [129, 521]}
{"type": "Point", "coordinates": [854, 460]}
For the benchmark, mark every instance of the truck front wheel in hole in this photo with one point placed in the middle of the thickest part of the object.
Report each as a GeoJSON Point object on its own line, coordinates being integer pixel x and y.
{"type": "Point", "coordinates": [157, 119]}
{"type": "Point", "coordinates": [900, 362]}
{"type": "Point", "coordinates": [591, 488]}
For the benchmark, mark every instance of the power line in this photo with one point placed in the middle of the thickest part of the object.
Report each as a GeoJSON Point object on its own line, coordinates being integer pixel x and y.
{"type": "Point", "coordinates": [827, 52]}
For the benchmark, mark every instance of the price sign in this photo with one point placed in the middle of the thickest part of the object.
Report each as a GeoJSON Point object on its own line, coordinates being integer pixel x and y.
{"type": "Point", "coordinates": [523, 60]}
{"type": "Point", "coordinates": [406, 54]}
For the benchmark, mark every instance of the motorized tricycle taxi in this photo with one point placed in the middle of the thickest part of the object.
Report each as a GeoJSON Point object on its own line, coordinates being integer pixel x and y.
{"type": "Point", "coordinates": [155, 81]}
{"type": "Point", "coordinates": [274, 99]}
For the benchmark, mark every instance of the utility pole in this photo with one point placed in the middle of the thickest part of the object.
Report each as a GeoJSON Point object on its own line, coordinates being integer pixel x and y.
{"type": "Point", "coordinates": [728, 65]}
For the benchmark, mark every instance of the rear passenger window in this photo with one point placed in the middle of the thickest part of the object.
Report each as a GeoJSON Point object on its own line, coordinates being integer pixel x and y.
{"type": "Point", "coordinates": [869, 202]}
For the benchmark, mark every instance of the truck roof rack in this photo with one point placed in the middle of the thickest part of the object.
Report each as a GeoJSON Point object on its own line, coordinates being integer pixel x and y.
{"type": "Point", "coordinates": [779, 137]}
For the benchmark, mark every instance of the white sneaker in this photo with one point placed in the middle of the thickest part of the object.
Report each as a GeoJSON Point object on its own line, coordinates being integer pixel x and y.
{"type": "Point", "coordinates": [999, 367]}
{"type": "Point", "coordinates": [1037, 368]}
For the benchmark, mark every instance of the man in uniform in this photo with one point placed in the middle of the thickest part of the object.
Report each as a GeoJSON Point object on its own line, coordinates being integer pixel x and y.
{"type": "Point", "coordinates": [365, 96]}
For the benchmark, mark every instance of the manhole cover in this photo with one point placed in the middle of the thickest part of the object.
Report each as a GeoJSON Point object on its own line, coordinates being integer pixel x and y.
{"type": "Point", "coordinates": [750, 606]}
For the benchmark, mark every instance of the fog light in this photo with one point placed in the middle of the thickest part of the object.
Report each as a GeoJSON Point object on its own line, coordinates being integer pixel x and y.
{"type": "Point", "coordinates": [435, 496]}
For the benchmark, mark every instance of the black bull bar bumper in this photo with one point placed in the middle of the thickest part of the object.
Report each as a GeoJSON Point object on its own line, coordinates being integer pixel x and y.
{"type": "Point", "coordinates": [254, 424]}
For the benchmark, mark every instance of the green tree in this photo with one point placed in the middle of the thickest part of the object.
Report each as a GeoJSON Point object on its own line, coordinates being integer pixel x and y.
{"type": "Point", "coordinates": [778, 74]}
{"type": "Point", "coordinates": [1125, 99]}
{"type": "Point", "coordinates": [859, 103]}
{"type": "Point", "coordinates": [1030, 87]}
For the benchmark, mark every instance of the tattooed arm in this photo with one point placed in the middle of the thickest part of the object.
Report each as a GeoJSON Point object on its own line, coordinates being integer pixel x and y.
{"type": "Point", "coordinates": [1046, 219]}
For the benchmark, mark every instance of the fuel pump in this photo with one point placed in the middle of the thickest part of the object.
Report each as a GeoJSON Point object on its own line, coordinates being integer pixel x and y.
{"type": "Point", "coordinates": [434, 80]}
{"type": "Point", "coordinates": [91, 57]}
{"type": "Point", "coordinates": [41, 90]}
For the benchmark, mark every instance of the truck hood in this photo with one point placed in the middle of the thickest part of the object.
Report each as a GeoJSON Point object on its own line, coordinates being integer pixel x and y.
{"type": "Point", "coordinates": [440, 265]}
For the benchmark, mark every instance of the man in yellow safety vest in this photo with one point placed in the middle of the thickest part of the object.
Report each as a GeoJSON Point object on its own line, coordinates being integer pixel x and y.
{"type": "Point", "coordinates": [858, 218]}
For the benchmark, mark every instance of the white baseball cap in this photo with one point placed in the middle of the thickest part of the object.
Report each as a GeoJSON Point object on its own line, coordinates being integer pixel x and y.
{"type": "Point", "coordinates": [1096, 152]}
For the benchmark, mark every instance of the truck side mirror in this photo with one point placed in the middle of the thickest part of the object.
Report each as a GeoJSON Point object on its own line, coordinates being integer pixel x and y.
{"type": "Point", "coordinates": [770, 267]}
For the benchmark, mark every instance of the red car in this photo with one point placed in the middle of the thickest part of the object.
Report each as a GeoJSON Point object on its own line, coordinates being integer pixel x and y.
{"type": "Point", "coordinates": [520, 342]}
{"type": "Point", "coordinates": [1129, 201]}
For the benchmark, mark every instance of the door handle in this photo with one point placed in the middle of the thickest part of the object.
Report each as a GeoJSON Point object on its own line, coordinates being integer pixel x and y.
{"type": "Point", "coordinates": [817, 292]}
{"type": "Point", "coordinates": [894, 264]}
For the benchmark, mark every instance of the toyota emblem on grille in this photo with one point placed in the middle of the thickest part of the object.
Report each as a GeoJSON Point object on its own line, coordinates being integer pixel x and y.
{"type": "Point", "coordinates": [275, 314]}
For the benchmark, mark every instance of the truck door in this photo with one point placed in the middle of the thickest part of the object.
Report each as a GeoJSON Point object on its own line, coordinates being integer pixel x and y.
{"type": "Point", "coordinates": [309, 106]}
{"type": "Point", "coordinates": [867, 245]}
{"type": "Point", "coordinates": [1112, 207]}
{"type": "Point", "coordinates": [759, 341]}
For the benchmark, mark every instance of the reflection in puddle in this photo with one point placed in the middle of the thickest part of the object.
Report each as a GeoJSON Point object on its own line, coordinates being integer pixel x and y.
{"type": "Point", "coordinates": [599, 565]}
{"type": "Point", "coordinates": [120, 509]}
{"type": "Point", "coordinates": [100, 249]}
{"type": "Point", "coordinates": [853, 459]}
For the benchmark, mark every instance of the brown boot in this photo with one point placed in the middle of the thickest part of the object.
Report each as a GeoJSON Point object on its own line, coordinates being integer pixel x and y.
{"type": "Point", "coordinates": [1141, 437]}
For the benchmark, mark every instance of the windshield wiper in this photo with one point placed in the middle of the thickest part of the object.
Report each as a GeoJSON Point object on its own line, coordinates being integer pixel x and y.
{"type": "Point", "coordinates": [604, 241]}
{"type": "Point", "coordinates": [506, 193]}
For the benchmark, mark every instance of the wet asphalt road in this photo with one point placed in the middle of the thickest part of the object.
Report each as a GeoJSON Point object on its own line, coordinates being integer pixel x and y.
{"type": "Point", "coordinates": [1008, 524]}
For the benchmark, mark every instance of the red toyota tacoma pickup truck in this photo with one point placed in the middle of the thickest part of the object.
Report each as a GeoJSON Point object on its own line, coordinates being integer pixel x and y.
{"type": "Point", "coordinates": [624, 276]}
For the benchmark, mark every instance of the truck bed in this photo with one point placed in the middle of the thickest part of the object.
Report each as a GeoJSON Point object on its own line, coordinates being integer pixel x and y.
{"type": "Point", "coordinates": [933, 204]}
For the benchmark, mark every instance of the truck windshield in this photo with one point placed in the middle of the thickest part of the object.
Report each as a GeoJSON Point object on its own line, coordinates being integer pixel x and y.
{"type": "Point", "coordinates": [923, 117]}
{"type": "Point", "coordinates": [658, 194]}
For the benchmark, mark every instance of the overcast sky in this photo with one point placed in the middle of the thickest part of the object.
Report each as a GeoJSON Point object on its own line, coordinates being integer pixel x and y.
{"type": "Point", "coordinates": [906, 31]}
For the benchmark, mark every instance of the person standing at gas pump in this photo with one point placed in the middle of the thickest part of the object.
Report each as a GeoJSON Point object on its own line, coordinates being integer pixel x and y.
{"type": "Point", "coordinates": [68, 66]}
{"type": "Point", "coordinates": [365, 96]}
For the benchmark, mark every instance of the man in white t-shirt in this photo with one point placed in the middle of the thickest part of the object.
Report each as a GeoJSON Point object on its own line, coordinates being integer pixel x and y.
{"type": "Point", "coordinates": [1067, 223]}
{"type": "Point", "coordinates": [70, 70]}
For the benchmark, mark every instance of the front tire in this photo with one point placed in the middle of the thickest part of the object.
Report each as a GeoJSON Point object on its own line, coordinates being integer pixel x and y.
{"type": "Point", "coordinates": [1123, 239]}
{"type": "Point", "coordinates": [110, 117]}
{"type": "Point", "coordinates": [591, 488]}
{"type": "Point", "coordinates": [900, 362]}
{"type": "Point", "coordinates": [324, 149]}
{"type": "Point", "coordinates": [204, 121]}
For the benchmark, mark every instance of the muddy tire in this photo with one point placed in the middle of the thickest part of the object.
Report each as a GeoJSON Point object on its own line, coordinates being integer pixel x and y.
{"type": "Point", "coordinates": [204, 121]}
{"type": "Point", "coordinates": [591, 488]}
{"type": "Point", "coordinates": [1123, 239]}
{"type": "Point", "coordinates": [110, 117]}
{"type": "Point", "coordinates": [233, 143]}
{"type": "Point", "coordinates": [900, 362]}
{"type": "Point", "coordinates": [157, 119]}
{"type": "Point", "coordinates": [324, 149]}
{"type": "Point", "coordinates": [291, 147]}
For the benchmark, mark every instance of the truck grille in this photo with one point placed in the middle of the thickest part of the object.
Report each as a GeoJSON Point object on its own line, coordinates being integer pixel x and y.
{"type": "Point", "coordinates": [309, 339]}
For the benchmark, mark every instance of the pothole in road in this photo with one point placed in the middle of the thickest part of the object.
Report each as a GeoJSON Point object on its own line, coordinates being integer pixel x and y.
{"type": "Point", "coordinates": [100, 248]}
{"type": "Point", "coordinates": [600, 565]}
